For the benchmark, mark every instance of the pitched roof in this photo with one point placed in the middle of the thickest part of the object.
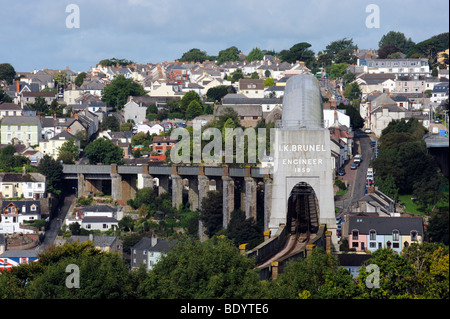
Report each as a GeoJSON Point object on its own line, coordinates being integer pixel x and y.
{"type": "Point", "coordinates": [20, 120]}
{"type": "Point", "coordinates": [241, 110]}
{"type": "Point", "coordinates": [385, 225]}
{"type": "Point", "coordinates": [10, 106]}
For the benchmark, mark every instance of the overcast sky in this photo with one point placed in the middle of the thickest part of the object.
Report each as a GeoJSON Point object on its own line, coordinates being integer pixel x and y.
{"type": "Point", "coordinates": [34, 35]}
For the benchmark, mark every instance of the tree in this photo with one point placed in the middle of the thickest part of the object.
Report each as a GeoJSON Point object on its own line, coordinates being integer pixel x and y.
{"type": "Point", "coordinates": [212, 269]}
{"type": "Point", "coordinates": [211, 212]}
{"type": "Point", "coordinates": [7, 73]}
{"type": "Point", "coordinates": [193, 110]}
{"type": "Point", "coordinates": [242, 230]}
{"type": "Point", "coordinates": [341, 51]}
{"type": "Point", "coordinates": [218, 92]}
{"type": "Point", "coordinates": [269, 82]}
{"type": "Point", "coordinates": [396, 39]}
{"type": "Point", "coordinates": [298, 52]}
{"type": "Point", "coordinates": [115, 62]}
{"type": "Point", "coordinates": [194, 55]}
{"type": "Point", "coordinates": [4, 98]}
{"type": "Point", "coordinates": [227, 55]}
{"type": "Point", "coordinates": [237, 75]}
{"type": "Point", "coordinates": [39, 105]}
{"type": "Point", "coordinates": [388, 187]}
{"type": "Point", "coordinates": [110, 123]}
{"type": "Point", "coordinates": [52, 170]}
{"type": "Point", "coordinates": [101, 275]}
{"type": "Point", "coordinates": [337, 70]}
{"type": "Point", "coordinates": [352, 91]}
{"type": "Point", "coordinates": [255, 55]}
{"type": "Point", "coordinates": [117, 92]}
{"type": "Point", "coordinates": [317, 276]}
{"type": "Point", "coordinates": [387, 50]}
{"type": "Point", "coordinates": [69, 151]}
{"type": "Point", "coordinates": [104, 151]}
{"type": "Point", "coordinates": [187, 99]}
{"type": "Point", "coordinates": [80, 78]}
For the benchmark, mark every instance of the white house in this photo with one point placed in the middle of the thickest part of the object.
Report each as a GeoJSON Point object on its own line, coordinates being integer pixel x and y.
{"type": "Point", "coordinates": [155, 129]}
{"type": "Point", "coordinates": [101, 223]}
{"type": "Point", "coordinates": [14, 213]}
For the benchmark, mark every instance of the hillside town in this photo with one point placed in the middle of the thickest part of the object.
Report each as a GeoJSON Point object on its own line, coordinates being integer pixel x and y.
{"type": "Point", "coordinates": [380, 109]}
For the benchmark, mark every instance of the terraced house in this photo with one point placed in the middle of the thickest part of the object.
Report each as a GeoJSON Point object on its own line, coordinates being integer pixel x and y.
{"type": "Point", "coordinates": [26, 185]}
{"type": "Point", "coordinates": [26, 129]}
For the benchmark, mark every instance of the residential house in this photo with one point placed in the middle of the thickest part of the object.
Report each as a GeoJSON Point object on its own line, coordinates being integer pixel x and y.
{"type": "Point", "coordinates": [353, 262]}
{"type": "Point", "coordinates": [374, 232]}
{"type": "Point", "coordinates": [11, 258]}
{"type": "Point", "coordinates": [376, 82]}
{"type": "Point", "coordinates": [252, 88]}
{"type": "Point", "coordinates": [30, 97]}
{"type": "Point", "coordinates": [148, 251]}
{"type": "Point", "coordinates": [101, 223]}
{"type": "Point", "coordinates": [397, 66]}
{"type": "Point", "coordinates": [146, 128]}
{"type": "Point", "coordinates": [52, 126]}
{"type": "Point", "coordinates": [111, 244]}
{"type": "Point", "coordinates": [370, 103]}
{"type": "Point", "coordinates": [70, 95]}
{"type": "Point", "coordinates": [410, 84]}
{"type": "Point", "coordinates": [376, 203]}
{"type": "Point", "coordinates": [249, 114]}
{"type": "Point", "coordinates": [382, 115]}
{"type": "Point", "coordinates": [10, 109]}
{"type": "Point", "coordinates": [28, 185]}
{"type": "Point", "coordinates": [440, 93]}
{"type": "Point", "coordinates": [162, 143]}
{"type": "Point", "coordinates": [14, 213]}
{"type": "Point", "coordinates": [51, 146]}
{"type": "Point", "coordinates": [94, 87]}
{"type": "Point", "coordinates": [267, 104]}
{"type": "Point", "coordinates": [27, 129]}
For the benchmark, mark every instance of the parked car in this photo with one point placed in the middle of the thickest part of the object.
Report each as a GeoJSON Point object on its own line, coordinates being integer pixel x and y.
{"type": "Point", "coordinates": [353, 166]}
{"type": "Point", "coordinates": [367, 131]}
{"type": "Point", "coordinates": [341, 172]}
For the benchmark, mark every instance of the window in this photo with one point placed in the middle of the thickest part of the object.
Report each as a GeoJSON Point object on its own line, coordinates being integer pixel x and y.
{"type": "Point", "coordinates": [395, 234]}
{"type": "Point", "coordinates": [355, 244]}
{"type": "Point", "coordinates": [373, 245]}
{"type": "Point", "coordinates": [413, 235]}
{"type": "Point", "coordinates": [355, 235]}
{"type": "Point", "coordinates": [19, 127]}
{"type": "Point", "coordinates": [395, 245]}
{"type": "Point", "coordinates": [105, 226]}
{"type": "Point", "coordinates": [373, 234]}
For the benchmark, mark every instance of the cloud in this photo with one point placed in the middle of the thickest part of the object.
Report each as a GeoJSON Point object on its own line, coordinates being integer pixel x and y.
{"type": "Point", "coordinates": [34, 33]}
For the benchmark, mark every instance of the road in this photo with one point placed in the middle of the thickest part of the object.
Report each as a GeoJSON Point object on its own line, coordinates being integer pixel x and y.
{"type": "Point", "coordinates": [56, 222]}
{"type": "Point", "coordinates": [356, 179]}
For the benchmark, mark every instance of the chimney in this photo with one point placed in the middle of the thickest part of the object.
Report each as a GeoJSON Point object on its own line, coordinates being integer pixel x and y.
{"type": "Point", "coordinates": [54, 116]}
{"type": "Point", "coordinates": [17, 86]}
{"type": "Point", "coordinates": [76, 116]}
{"type": "Point", "coordinates": [154, 240]}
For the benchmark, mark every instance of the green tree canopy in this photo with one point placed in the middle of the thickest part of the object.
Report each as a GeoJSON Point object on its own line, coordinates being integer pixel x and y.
{"type": "Point", "coordinates": [228, 55]}
{"type": "Point", "coordinates": [255, 55]}
{"type": "Point", "coordinates": [298, 52]}
{"type": "Point", "coordinates": [194, 55]}
{"type": "Point", "coordinates": [7, 72]}
{"type": "Point", "coordinates": [117, 92]}
{"type": "Point", "coordinates": [213, 269]}
{"type": "Point", "coordinates": [110, 123]}
{"type": "Point", "coordinates": [211, 212]}
{"type": "Point", "coordinates": [80, 78]}
{"type": "Point", "coordinates": [52, 170]}
{"type": "Point", "coordinates": [103, 151]}
{"type": "Point", "coordinates": [341, 51]}
{"type": "Point", "coordinates": [193, 110]}
{"type": "Point", "coordinates": [397, 40]}
{"type": "Point", "coordinates": [187, 99]}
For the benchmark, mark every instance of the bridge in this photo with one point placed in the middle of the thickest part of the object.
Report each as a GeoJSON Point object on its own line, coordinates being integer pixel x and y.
{"type": "Point", "coordinates": [122, 182]}
{"type": "Point", "coordinates": [437, 146]}
{"type": "Point", "coordinates": [296, 199]}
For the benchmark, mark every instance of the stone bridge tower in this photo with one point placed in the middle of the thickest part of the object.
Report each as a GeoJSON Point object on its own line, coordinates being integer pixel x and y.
{"type": "Point", "coordinates": [302, 153]}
